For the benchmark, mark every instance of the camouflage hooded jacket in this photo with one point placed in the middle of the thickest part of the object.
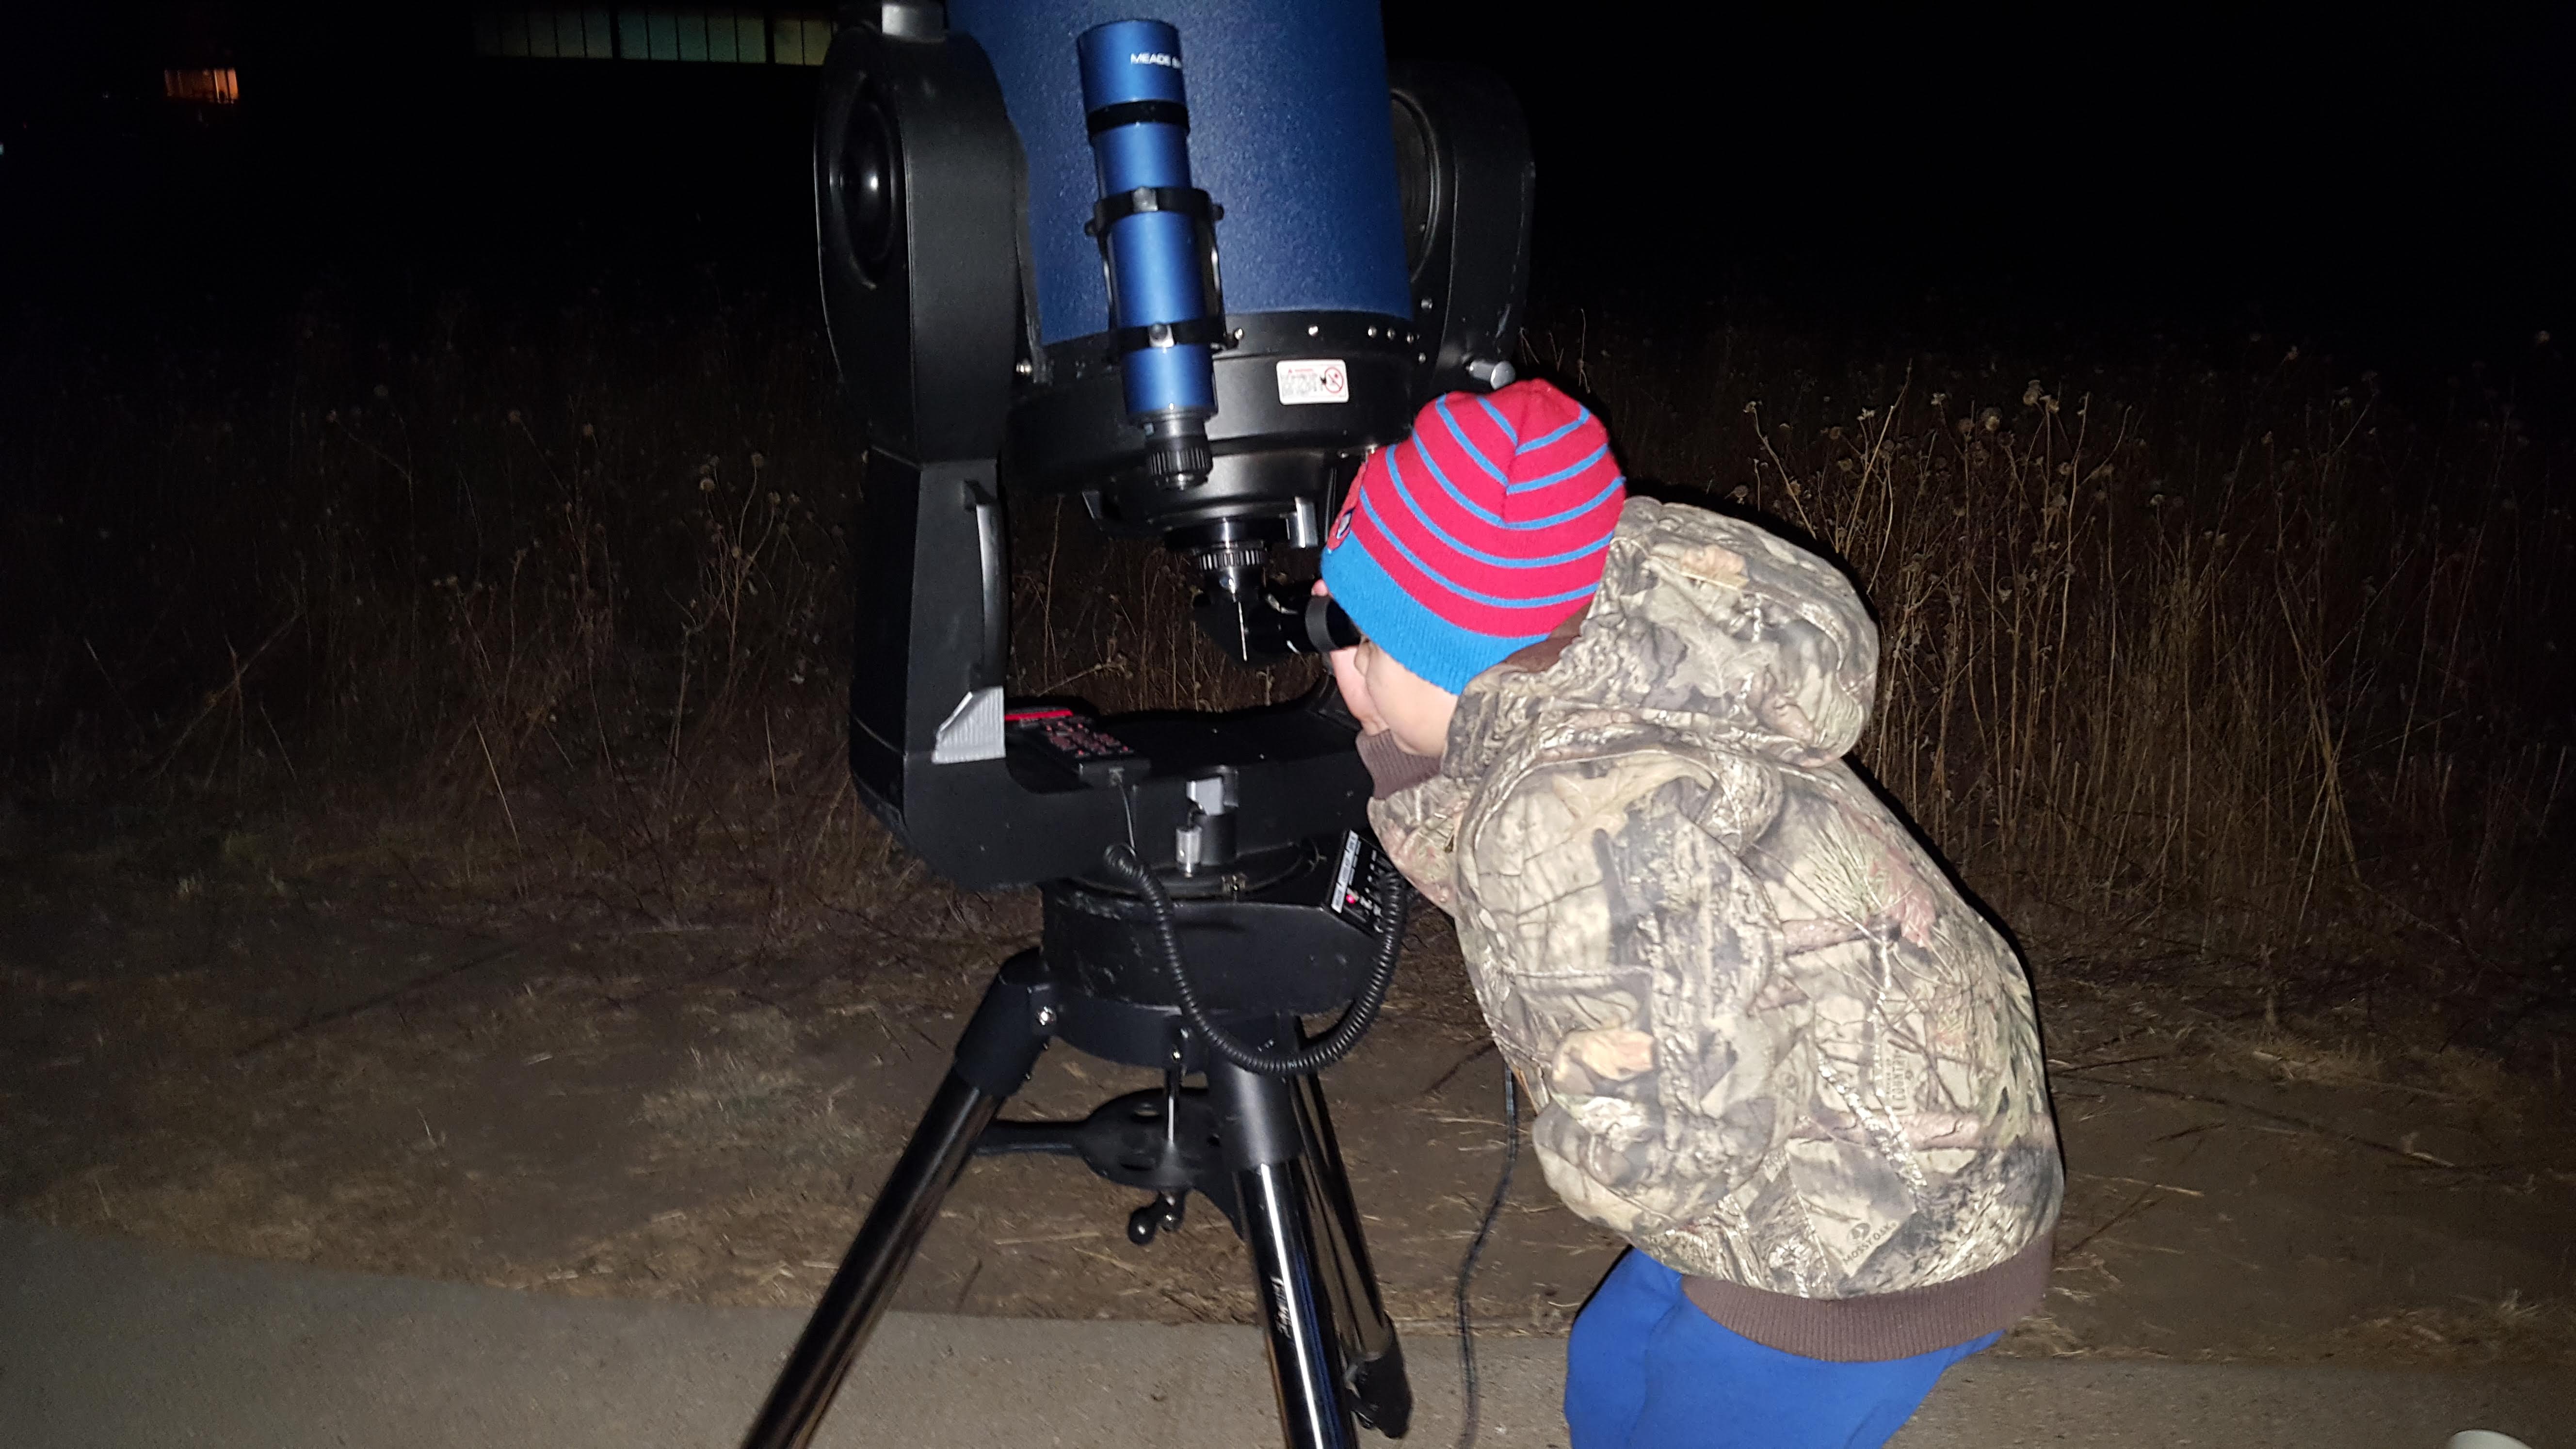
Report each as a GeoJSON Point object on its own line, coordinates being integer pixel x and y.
{"type": "Point", "coordinates": [1769, 1043]}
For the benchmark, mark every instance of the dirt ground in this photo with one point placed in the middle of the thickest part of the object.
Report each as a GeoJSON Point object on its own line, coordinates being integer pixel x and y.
{"type": "Point", "coordinates": [352, 1075]}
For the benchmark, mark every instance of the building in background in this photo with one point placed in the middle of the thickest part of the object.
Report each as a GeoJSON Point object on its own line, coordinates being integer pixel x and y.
{"type": "Point", "coordinates": [721, 35]}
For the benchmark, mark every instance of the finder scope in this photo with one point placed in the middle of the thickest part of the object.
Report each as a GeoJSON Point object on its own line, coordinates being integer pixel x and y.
{"type": "Point", "coordinates": [1157, 236]}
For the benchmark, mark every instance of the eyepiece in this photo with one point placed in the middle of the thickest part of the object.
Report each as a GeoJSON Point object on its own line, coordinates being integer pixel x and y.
{"type": "Point", "coordinates": [1327, 627]}
{"type": "Point", "coordinates": [1254, 618]}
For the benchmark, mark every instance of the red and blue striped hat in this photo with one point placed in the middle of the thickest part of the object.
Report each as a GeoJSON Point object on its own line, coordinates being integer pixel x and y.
{"type": "Point", "coordinates": [1478, 535]}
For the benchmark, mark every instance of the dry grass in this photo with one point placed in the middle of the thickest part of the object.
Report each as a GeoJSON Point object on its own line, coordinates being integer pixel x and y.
{"type": "Point", "coordinates": [2511, 1330]}
{"type": "Point", "coordinates": [2453, 1076]}
{"type": "Point", "coordinates": [2243, 649]}
{"type": "Point", "coordinates": [2230, 659]}
{"type": "Point", "coordinates": [757, 1097]}
{"type": "Point", "coordinates": [548, 607]}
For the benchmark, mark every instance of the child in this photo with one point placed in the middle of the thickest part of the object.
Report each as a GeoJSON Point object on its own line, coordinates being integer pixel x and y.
{"type": "Point", "coordinates": [1768, 1042]}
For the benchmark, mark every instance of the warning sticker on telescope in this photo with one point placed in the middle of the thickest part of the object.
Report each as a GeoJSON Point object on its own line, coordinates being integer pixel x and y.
{"type": "Point", "coordinates": [1314, 380]}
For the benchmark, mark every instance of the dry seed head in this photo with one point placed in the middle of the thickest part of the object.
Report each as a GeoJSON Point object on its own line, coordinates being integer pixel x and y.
{"type": "Point", "coordinates": [2030, 394]}
{"type": "Point", "coordinates": [514, 417]}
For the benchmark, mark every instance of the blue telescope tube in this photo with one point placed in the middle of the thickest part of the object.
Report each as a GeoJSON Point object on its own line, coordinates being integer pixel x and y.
{"type": "Point", "coordinates": [1153, 245]}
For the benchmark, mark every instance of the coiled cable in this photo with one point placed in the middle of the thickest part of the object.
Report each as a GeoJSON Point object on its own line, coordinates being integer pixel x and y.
{"type": "Point", "coordinates": [1392, 897]}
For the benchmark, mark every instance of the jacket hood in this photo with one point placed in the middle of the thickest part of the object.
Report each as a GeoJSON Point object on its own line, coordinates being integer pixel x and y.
{"type": "Point", "coordinates": [1702, 621]}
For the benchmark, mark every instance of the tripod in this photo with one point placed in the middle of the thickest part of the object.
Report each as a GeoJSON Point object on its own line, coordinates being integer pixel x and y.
{"type": "Point", "coordinates": [1260, 1148]}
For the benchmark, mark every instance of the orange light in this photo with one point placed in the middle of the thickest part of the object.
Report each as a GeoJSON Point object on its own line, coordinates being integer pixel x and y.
{"type": "Point", "coordinates": [206, 87]}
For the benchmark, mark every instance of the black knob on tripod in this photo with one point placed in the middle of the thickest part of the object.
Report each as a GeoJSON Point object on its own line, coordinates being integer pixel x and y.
{"type": "Point", "coordinates": [1161, 1215]}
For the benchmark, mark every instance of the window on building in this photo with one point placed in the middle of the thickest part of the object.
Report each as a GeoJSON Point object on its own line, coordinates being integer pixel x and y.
{"type": "Point", "coordinates": [799, 39]}
{"type": "Point", "coordinates": [723, 35]}
{"type": "Point", "coordinates": [205, 87]}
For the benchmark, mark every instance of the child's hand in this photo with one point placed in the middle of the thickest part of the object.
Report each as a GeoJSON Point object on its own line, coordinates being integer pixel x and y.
{"type": "Point", "coordinates": [1353, 681]}
{"type": "Point", "coordinates": [1355, 691]}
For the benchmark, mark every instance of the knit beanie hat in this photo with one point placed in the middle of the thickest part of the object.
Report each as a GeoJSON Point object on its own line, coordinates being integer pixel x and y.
{"type": "Point", "coordinates": [1478, 535]}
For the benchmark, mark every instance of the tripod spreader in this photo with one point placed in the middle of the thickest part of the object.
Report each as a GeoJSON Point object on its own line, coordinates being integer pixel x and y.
{"type": "Point", "coordinates": [1165, 1140]}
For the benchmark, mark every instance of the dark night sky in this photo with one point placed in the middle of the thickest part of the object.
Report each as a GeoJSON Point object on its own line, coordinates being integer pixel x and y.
{"type": "Point", "coordinates": [2385, 181]}
{"type": "Point", "coordinates": [2342, 173]}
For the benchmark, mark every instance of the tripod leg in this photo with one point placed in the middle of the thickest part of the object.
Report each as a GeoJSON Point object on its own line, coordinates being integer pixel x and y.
{"type": "Point", "coordinates": [1264, 1145]}
{"type": "Point", "coordinates": [1381, 1393]}
{"type": "Point", "coordinates": [1001, 1043]}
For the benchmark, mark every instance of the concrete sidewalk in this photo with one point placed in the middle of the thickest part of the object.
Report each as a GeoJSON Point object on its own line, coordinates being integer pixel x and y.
{"type": "Point", "coordinates": [108, 1343]}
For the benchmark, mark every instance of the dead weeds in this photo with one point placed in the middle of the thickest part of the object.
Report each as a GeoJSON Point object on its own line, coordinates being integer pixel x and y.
{"type": "Point", "coordinates": [2507, 1331]}
{"type": "Point", "coordinates": [757, 1097]}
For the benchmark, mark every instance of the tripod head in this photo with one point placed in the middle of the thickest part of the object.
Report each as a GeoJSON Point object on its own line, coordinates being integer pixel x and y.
{"type": "Point", "coordinates": [1189, 270]}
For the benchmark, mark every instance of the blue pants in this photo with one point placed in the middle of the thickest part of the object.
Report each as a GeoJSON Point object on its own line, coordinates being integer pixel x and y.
{"type": "Point", "coordinates": [1646, 1369]}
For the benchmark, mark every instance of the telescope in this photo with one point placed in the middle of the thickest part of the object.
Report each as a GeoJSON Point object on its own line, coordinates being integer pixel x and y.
{"type": "Point", "coordinates": [1187, 262]}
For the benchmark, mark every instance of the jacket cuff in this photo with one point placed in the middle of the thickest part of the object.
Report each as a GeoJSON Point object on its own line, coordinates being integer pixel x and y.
{"type": "Point", "coordinates": [1391, 767]}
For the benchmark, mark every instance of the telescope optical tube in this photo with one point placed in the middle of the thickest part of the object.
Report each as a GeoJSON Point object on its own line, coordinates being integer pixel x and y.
{"type": "Point", "coordinates": [1157, 241]}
